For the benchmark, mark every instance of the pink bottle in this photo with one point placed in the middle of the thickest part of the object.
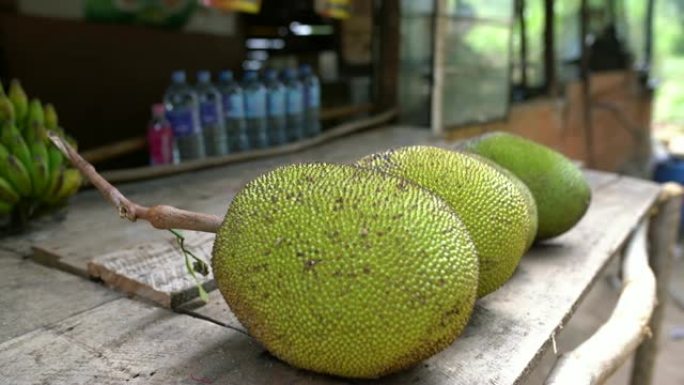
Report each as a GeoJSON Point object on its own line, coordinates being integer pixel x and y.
{"type": "Point", "coordinates": [160, 137]}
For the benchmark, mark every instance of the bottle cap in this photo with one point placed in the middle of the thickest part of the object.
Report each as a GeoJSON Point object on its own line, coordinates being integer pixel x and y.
{"type": "Point", "coordinates": [270, 74]}
{"type": "Point", "coordinates": [203, 76]}
{"type": "Point", "coordinates": [158, 109]}
{"type": "Point", "coordinates": [289, 73]}
{"type": "Point", "coordinates": [304, 70]}
{"type": "Point", "coordinates": [178, 76]}
{"type": "Point", "coordinates": [251, 76]}
{"type": "Point", "coordinates": [226, 76]}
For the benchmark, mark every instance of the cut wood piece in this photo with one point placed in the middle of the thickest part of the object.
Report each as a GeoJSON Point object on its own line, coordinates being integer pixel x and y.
{"type": "Point", "coordinates": [598, 357]}
{"type": "Point", "coordinates": [156, 271]}
{"type": "Point", "coordinates": [32, 296]}
{"type": "Point", "coordinates": [215, 310]}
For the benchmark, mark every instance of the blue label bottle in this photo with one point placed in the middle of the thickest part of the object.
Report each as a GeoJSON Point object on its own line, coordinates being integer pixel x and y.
{"type": "Point", "coordinates": [294, 105]}
{"type": "Point", "coordinates": [255, 110]}
{"type": "Point", "coordinates": [182, 112]}
{"type": "Point", "coordinates": [211, 116]}
{"type": "Point", "coordinates": [312, 100]}
{"type": "Point", "coordinates": [275, 108]}
{"type": "Point", "coordinates": [234, 112]}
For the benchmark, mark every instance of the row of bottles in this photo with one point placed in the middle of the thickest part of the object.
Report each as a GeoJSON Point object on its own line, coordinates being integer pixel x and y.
{"type": "Point", "coordinates": [213, 120]}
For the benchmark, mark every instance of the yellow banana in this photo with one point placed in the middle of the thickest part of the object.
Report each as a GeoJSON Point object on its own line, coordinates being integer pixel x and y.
{"type": "Point", "coordinates": [7, 193]}
{"type": "Point", "coordinates": [51, 118]}
{"type": "Point", "coordinates": [19, 100]}
{"type": "Point", "coordinates": [5, 208]}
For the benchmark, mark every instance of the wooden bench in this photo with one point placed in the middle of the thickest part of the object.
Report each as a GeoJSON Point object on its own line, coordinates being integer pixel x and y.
{"type": "Point", "coordinates": [112, 339]}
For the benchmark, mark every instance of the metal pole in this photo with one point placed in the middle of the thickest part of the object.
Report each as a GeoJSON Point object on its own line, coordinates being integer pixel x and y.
{"type": "Point", "coordinates": [549, 48]}
{"type": "Point", "coordinates": [648, 54]}
{"type": "Point", "coordinates": [586, 85]}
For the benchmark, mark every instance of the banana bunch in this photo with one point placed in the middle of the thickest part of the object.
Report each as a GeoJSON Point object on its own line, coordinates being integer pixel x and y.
{"type": "Point", "coordinates": [34, 175]}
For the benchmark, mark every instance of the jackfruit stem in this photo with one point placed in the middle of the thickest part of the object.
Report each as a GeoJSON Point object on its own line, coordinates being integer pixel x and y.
{"type": "Point", "coordinates": [160, 216]}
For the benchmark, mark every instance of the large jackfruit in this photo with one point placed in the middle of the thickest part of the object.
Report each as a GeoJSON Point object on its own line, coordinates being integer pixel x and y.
{"type": "Point", "coordinates": [345, 271]}
{"type": "Point", "coordinates": [491, 205]}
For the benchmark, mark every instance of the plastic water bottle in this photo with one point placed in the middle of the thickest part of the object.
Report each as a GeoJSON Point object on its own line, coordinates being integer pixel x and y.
{"type": "Point", "coordinates": [255, 110]}
{"type": "Point", "coordinates": [182, 112]}
{"type": "Point", "coordinates": [211, 116]}
{"type": "Point", "coordinates": [312, 100]}
{"type": "Point", "coordinates": [234, 112]}
{"type": "Point", "coordinates": [160, 137]}
{"type": "Point", "coordinates": [275, 108]}
{"type": "Point", "coordinates": [294, 103]}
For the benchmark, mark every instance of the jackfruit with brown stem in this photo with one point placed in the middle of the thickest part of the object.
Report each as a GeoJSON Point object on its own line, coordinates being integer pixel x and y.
{"type": "Point", "coordinates": [345, 271]}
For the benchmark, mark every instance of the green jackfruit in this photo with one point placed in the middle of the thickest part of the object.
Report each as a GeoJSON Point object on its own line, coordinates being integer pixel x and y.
{"type": "Point", "coordinates": [491, 206]}
{"type": "Point", "coordinates": [560, 190]}
{"type": "Point", "coordinates": [529, 198]}
{"type": "Point", "coordinates": [345, 271]}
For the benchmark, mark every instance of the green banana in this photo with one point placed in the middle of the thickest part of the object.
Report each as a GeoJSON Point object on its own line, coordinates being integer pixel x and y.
{"type": "Point", "coordinates": [70, 184]}
{"type": "Point", "coordinates": [51, 118]}
{"type": "Point", "coordinates": [35, 120]}
{"type": "Point", "coordinates": [35, 123]}
{"type": "Point", "coordinates": [55, 157]}
{"type": "Point", "coordinates": [19, 175]}
{"type": "Point", "coordinates": [19, 100]}
{"type": "Point", "coordinates": [41, 168]}
{"type": "Point", "coordinates": [2, 90]}
{"type": "Point", "coordinates": [5, 208]}
{"type": "Point", "coordinates": [56, 181]}
{"type": "Point", "coordinates": [38, 147]}
{"type": "Point", "coordinates": [12, 139]}
{"type": "Point", "coordinates": [55, 160]}
{"type": "Point", "coordinates": [6, 111]}
{"type": "Point", "coordinates": [15, 172]}
{"type": "Point", "coordinates": [7, 193]}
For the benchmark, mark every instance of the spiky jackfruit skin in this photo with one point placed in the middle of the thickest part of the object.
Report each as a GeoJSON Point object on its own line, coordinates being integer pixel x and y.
{"type": "Point", "coordinates": [559, 188]}
{"type": "Point", "coordinates": [527, 194]}
{"type": "Point", "coordinates": [345, 271]}
{"type": "Point", "coordinates": [490, 205]}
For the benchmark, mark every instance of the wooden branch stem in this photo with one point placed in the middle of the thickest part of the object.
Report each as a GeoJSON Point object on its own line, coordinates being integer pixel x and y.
{"type": "Point", "coordinates": [603, 353]}
{"type": "Point", "coordinates": [161, 216]}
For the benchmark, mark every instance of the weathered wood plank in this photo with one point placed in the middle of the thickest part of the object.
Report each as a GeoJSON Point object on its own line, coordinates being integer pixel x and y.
{"type": "Point", "coordinates": [32, 296]}
{"type": "Point", "coordinates": [156, 271]}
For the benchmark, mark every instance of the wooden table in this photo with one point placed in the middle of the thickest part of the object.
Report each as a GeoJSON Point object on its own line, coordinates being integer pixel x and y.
{"type": "Point", "coordinates": [60, 328]}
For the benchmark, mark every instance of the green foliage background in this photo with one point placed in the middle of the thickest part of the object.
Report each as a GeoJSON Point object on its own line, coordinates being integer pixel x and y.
{"type": "Point", "coordinates": [669, 61]}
